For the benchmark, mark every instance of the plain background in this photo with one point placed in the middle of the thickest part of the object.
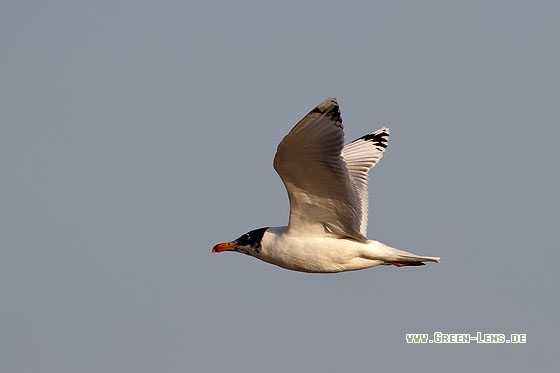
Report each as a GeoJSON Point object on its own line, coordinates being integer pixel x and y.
{"type": "Point", "coordinates": [135, 135]}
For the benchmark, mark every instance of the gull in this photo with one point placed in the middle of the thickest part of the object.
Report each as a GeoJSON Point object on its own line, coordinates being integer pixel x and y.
{"type": "Point", "coordinates": [327, 184]}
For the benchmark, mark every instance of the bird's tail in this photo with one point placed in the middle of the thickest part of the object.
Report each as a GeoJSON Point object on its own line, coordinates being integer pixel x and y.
{"type": "Point", "coordinates": [401, 258]}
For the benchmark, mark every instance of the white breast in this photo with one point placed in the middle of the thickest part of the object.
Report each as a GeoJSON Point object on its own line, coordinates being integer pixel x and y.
{"type": "Point", "coordinates": [316, 254]}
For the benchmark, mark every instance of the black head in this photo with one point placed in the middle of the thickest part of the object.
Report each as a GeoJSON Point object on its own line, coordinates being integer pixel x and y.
{"type": "Point", "coordinates": [249, 243]}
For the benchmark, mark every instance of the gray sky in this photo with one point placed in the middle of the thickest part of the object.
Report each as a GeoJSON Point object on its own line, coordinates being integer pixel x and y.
{"type": "Point", "coordinates": [134, 135]}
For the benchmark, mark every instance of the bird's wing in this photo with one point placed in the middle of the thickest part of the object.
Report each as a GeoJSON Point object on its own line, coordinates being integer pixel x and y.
{"type": "Point", "coordinates": [309, 161]}
{"type": "Point", "coordinates": [360, 156]}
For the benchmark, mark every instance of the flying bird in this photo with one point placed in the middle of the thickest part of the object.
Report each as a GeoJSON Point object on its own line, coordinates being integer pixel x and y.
{"type": "Point", "coordinates": [327, 184]}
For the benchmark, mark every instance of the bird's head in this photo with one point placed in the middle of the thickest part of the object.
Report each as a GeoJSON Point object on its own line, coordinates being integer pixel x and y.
{"type": "Point", "coordinates": [249, 243]}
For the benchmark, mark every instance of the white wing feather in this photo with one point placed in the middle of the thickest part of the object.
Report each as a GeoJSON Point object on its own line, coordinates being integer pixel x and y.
{"type": "Point", "coordinates": [360, 156]}
{"type": "Point", "coordinates": [309, 161]}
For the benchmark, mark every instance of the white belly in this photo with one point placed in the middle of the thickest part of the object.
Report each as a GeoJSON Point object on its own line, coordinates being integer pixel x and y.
{"type": "Point", "coordinates": [318, 254]}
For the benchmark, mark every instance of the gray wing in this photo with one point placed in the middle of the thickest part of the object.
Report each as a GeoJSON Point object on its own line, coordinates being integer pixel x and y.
{"type": "Point", "coordinates": [309, 161]}
{"type": "Point", "coordinates": [360, 156]}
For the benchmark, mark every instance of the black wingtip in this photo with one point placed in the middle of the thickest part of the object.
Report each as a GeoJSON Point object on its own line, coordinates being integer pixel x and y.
{"type": "Point", "coordinates": [330, 108]}
{"type": "Point", "coordinates": [379, 138]}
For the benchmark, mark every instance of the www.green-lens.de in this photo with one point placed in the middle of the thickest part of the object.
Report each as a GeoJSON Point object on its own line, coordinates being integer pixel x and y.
{"type": "Point", "coordinates": [439, 337]}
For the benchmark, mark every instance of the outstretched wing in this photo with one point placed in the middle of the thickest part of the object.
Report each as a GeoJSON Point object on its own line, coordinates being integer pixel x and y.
{"type": "Point", "coordinates": [309, 161]}
{"type": "Point", "coordinates": [360, 156]}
